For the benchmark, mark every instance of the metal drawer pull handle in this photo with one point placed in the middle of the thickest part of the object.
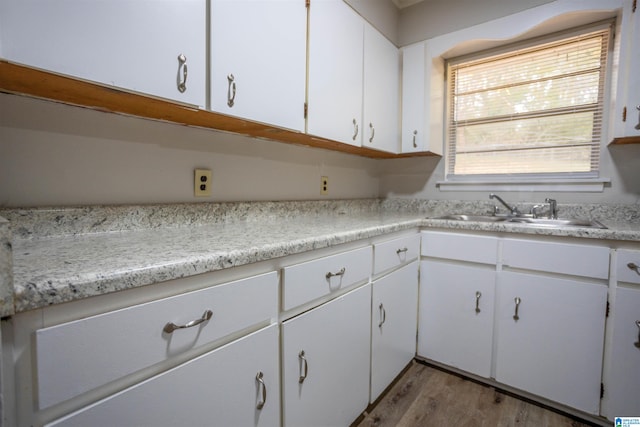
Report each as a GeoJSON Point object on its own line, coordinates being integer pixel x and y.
{"type": "Point", "coordinates": [399, 251]}
{"type": "Point", "coordinates": [415, 132]}
{"type": "Point", "coordinates": [182, 62]}
{"type": "Point", "coordinates": [261, 384]}
{"type": "Point", "coordinates": [355, 129]}
{"type": "Point", "coordinates": [304, 367]}
{"type": "Point", "coordinates": [383, 315]}
{"type": "Point", "coordinates": [633, 266]}
{"type": "Point", "coordinates": [170, 327]}
{"type": "Point", "coordinates": [231, 90]}
{"type": "Point", "coordinates": [637, 344]}
{"type": "Point", "coordinates": [373, 132]}
{"type": "Point", "coordinates": [329, 275]}
{"type": "Point", "coordinates": [478, 295]}
{"type": "Point", "coordinates": [638, 125]}
{"type": "Point", "coordinates": [517, 301]}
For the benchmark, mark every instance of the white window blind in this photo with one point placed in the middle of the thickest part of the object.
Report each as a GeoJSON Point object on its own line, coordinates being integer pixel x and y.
{"type": "Point", "coordinates": [532, 112]}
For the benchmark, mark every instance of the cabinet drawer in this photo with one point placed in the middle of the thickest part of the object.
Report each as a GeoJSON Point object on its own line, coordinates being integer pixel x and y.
{"type": "Point", "coordinates": [313, 279]}
{"type": "Point", "coordinates": [395, 253]}
{"type": "Point", "coordinates": [78, 356]}
{"type": "Point", "coordinates": [625, 272]}
{"type": "Point", "coordinates": [563, 258]}
{"type": "Point", "coordinates": [463, 247]}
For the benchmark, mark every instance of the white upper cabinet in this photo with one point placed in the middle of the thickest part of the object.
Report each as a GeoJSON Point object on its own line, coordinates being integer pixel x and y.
{"type": "Point", "coordinates": [258, 60]}
{"type": "Point", "coordinates": [153, 47]}
{"type": "Point", "coordinates": [336, 37]}
{"type": "Point", "coordinates": [415, 126]}
{"type": "Point", "coordinates": [381, 101]}
{"type": "Point", "coordinates": [626, 119]}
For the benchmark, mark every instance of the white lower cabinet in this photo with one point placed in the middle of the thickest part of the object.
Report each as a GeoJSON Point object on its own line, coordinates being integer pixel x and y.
{"type": "Point", "coordinates": [394, 310]}
{"type": "Point", "coordinates": [622, 385]}
{"type": "Point", "coordinates": [550, 334]}
{"type": "Point", "coordinates": [235, 385]}
{"type": "Point", "coordinates": [456, 315]}
{"type": "Point", "coordinates": [325, 362]}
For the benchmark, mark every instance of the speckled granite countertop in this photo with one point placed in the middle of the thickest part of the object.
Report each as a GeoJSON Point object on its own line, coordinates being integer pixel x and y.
{"type": "Point", "coordinates": [66, 254]}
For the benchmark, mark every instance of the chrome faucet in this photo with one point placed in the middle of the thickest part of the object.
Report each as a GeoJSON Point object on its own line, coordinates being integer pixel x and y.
{"type": "Point", "coordinates": [553, 208]}
{"type": "Point", "coordinates": [513, 210]}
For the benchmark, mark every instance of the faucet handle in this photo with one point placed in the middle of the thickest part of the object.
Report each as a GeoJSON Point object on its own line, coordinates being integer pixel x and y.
{"type": "Point", "coordinates": [553, 208]}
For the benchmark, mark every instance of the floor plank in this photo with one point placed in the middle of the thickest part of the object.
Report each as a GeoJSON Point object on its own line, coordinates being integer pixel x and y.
{"type": "Point", "coordinates": [429, 397]}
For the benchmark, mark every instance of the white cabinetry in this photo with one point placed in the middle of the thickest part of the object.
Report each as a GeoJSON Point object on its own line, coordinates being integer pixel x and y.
{"type": "Point", "coordinates": [415, 128]}
{"type": "Point", "coordinates": [393, 326]}
{"type": "Point", "coordinates": [457, 300]}
{"type": "Point", "coordinates": [626, 119]}
{"type": "Point", "coordinates": [336, 40]}
{"type": "Point", "coordinates": [456, 315]}
{"type": "Point", "coordinates": [129, 44]}
{"type": "Point", "coordinates": [550, 329]}
{"type": "Point", "coordinates": [325, 360]}
{"type": "Point", "coordinates": [622, 361]}
{"type": "Point", "coordinates": [235, 385]}
{"type": "Point", "coordinates": [381, 102]}
{"type": "Point", "coordinates": [258, 60]}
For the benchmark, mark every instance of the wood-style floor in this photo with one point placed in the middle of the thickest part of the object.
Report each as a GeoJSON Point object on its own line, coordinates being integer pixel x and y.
{"type": "Point", "coordinates": [425, 396]}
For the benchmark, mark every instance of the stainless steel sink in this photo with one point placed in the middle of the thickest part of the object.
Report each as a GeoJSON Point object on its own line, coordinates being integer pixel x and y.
{"type": "Point", "coordinates": [528, 220]}
{"type": "Point", "coordinates": [557, 223]}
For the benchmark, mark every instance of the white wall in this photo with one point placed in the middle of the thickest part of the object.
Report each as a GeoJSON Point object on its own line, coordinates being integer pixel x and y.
{"type": "Point", "coordinates": [52, 154]}
{"type": "Point", "coordinates": [431, 18]}
{"type": "Point", "coordinates": [382, 14]}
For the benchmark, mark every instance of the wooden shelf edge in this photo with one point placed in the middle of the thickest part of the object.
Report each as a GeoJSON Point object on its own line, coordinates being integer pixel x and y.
{"type": "Point", "coordinates": [626, 140]}
{"type": "Point", "coordinates": [27, 81]}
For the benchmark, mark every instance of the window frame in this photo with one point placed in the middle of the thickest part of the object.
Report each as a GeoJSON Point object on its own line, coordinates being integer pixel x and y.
{"type": "Point", "coordinates": [564, 181]}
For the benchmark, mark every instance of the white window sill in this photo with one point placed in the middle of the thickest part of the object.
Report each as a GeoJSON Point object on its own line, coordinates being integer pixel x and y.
{"type": "Point", "coordinates": [595, 185]}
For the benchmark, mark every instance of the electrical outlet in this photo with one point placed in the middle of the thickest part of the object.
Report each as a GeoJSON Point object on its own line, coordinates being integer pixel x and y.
{"type": "Point", "coordinates": [324, 185]}
{"type": "Point", "coordinates": [202, 183]}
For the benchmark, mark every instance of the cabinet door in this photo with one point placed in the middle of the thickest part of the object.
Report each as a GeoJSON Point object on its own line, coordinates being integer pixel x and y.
{"type": "Point", "coordinates": [258, 60]}
{"type": "Point", "coordinates": [413, 90]}
{"type": "Point", "coordinates": [326, 362]}
{"type": "Point", "coordinates": [224, 386]}
{"type": "Point", "coordinates": [394, 319]}
{"type": "Point", "coordinates": [622, 386]}
{"type": "Point", "coordinates": [554, 346]}
{"type": "Point", "coordinates": [456, 315]}
{"type": "Point", "coordinates": [130, 44]}
{"type": "Point", "coordinates": [336, 35]}
{"type": "Point", "coordinates": [628, 83]}
{"type": "Point", "coordinates": [381, 101]}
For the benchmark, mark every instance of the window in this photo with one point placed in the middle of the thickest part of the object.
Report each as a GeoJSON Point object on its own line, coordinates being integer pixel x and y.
{"type": "Point", "coordinates": [531, 112]}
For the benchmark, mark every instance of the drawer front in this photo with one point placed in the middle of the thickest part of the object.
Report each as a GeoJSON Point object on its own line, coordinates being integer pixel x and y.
{"type": "Point", "coordinates": [462, 247]}
{"type": "Point", "coordinates": [78, 356]}
{"type": "Point", "coordinates": [313, 279]}
{"type": "Point", "coordinates": [628, 266]}
{"type": "Point", "coordinates": [551, 257]}
{"type": "Point", "coordinates": [396, 252]}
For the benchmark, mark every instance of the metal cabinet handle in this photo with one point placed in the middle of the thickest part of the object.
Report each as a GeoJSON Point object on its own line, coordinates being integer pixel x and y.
{"type": "Point", "coordinates": [637, 344]}
{"type": "Point", "coordinates": [170, 327]}
{"type": "Point", "coordinates": [415, 132]}
{"type": "Point", "coordinates": [517, 301]}
{"type": "Point", "coordinates": [633, 266]}
{"type": "Point", "coordinates": [373, 132]}
{"type": "Point", "coordinates": [182, 63]}
{"type": "Point", "coordinates": [383, 315]}
{"type": "Point", "coordinates": [638, 125]}
{"type": "Point", "coordinates": [329, 275]}
{"type": "Point", "coordinates": [231, 90]}
{"type": "Point", "coordinates": [478, 295]}
{"type": "Point", "coordinates": [355, 129]}
{"type": "Point", "coordinates": [259, 378]}
{"type": "Point", "coordinates": [304, 367]}
{"type": "Point", "coordinates": [399, 251]}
